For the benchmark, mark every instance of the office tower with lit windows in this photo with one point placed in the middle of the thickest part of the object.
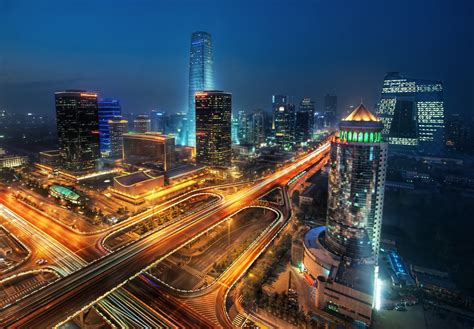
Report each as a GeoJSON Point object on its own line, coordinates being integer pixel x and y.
{"type": "Point", "coordinates": [244, 133]}
{"type": "Point", "coordinates": [412, 111]}
{"type": "Point", "coordinates": [304, 121]}
{"type": "Point", "coordinates": [142, 124]}
{"type": "Point", "coordinates": [356, 186]}
{"type": "Point", "coordinates": [77, 122]}
{"type": "Point", "coordinates": [283, 122]}
{"type": "Point", "coordinates": [213, 128]}
{"type": "Point", "coordinates": [330, 111]}
{"type": "Point", "coordinates": [117, 128]}
{"type": "Point", "coordinates": [340, 259]}
{"type": "Point", "coordinates": [201, 77]}
{"type": "Point", "coordinates": [108, 109]}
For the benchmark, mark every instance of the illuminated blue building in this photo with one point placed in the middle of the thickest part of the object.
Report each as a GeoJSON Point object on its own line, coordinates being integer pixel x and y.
{"type": "Point", "coordinates": [201, 77]}
{"type": "Point", "coordinates": [108, 110]}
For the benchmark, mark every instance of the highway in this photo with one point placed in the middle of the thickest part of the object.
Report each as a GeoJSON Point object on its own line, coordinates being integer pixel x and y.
{"type": "Point", "coordinates": [86, 286]}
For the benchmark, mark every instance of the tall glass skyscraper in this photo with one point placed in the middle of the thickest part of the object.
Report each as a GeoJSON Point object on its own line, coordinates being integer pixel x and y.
{"type": "Point", "coordinates": [412, 111]}
{"type": "Point", "coordinates": [77, 122]}
{"type": "Point", "coordinates": [356, 187]}
{"type": "Point", "coordinates": [201, 77]}
{"type": "Point", "coordinates": [108, 109]}
{"type": "Point", "coordinates": [213, 128]}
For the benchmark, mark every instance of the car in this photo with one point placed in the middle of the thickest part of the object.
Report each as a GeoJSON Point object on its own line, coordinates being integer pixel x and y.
{"type": "Point", "coordinates": [41, 261]}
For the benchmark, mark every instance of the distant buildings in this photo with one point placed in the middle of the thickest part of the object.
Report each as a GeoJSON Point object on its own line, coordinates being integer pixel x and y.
{"type": "Point", "coordinates": [12, 161]}
{"type": "Point", "coordinates": [142, 124]}
{"type": "Point", "coordinates": [304, 122]}
{"type": "Point", "coordinates": [117, 128]}
{"type": "Point", "coordinates": [213, 128]}
{"type": "Point", "coordinates": [107, 108]}
{"type": "Point", "coordinates": [50, 159]}
{"type": "Point", "coordinates": [250, 128]}
{"type": "Point", "coordinates": [340, 259]}
{"type": "Point", "coordinates": [78, 129]}
{"type": "Point", "coordinates": [412, 111]}
{"type": "Point", "coordinates": [201, 77]}
{"type": "Point", "coordinates": [330, 111]}
{"type": "Point", "coordinates": [149, 148]}
{"type": "Point", "coordinates": [258, 128]}
{"type": "Point", "coordinates": [459, 134]}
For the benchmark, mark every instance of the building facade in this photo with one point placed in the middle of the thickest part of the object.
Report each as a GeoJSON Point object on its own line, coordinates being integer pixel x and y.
{"type": "Point", "coordinates": [330, 111]}
{"type": "Point", "coordinates": [158, 121]}
{"type": "Point", "coordinates": [201, 77]}
{"type": "Point", "coordinates": [108, 109]}
{"type": "Point", "coordinates": [356, 186]}
{"type": "Point", "coordinates": [142, 124]}
{"type": "Point", "coordinates": [340, 259]}
{"type": "Point", "coordinates": [283, 121]}
{"type": "Point", "coordinates": [77, 122]}
{"type": "Point", "coordinates": [213, 128]}
{"type": "Point", "coordinates": [149, 148]}
{"type": "Point", "coordinates": [117, 128]}
{"type": "Point", "coordinates": [304, 121]}
{"type": "Point", "coordinates": [412, 111]}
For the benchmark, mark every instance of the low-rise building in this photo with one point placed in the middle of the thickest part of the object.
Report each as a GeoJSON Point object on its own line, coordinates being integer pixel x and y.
{"type": "Point", "coordinates": [50, 159]}
{"type": "Point", "coordinates": [12, 161]}
{"type": "Point", "coordinates": [135, 186]}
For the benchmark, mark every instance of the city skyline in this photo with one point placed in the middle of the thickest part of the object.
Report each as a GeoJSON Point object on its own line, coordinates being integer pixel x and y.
{"type": "Point", "coordinates": [156, 77]}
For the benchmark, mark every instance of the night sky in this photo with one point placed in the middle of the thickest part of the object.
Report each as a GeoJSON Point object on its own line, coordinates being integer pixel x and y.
{"type": "Point", "coordinates": [138, 51]}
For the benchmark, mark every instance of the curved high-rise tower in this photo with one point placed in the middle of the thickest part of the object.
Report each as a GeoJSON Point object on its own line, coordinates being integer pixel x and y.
{"type": "Point", "coordinates": [201, 77]}
{"type": "Point", "coordinates": [356, 186]}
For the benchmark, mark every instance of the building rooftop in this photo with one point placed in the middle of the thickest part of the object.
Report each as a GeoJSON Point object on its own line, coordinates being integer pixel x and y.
{"type": "Point", "coordinates": [361, 114]}
{"type": "Point", "coordinates": [133, 178]}
{"type": "Point", "coordinates": [312, 244]}
{"type": "Point", "coordinates": [65, 192]}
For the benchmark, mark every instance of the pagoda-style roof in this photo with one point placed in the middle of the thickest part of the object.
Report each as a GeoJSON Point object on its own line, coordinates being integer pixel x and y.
{"type": "Point", "coordinates": [361, 114]}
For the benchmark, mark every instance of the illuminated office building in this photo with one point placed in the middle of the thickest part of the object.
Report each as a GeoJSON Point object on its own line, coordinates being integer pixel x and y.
{"type": "Point", "coordinates": [356, 186]}
{"type": "Point", "coordinates": [258, 128]}
{"type": "Point", "coordinates": [412, 111]}
{"type": "Point", "coordinates": [108, 109]}
{"type": "Point", "coordinates": [142, 124]}
{"type": "Point", "coordinates": [340, 259]}
{"type": "Point", "coordinates": [283, 121]}
{"type": "Point", "coordinates": [78, 129]}
{"type": "Point", "coordinates": [149, 148]}
{"type": "Point", "coordinates": [304, 121]}
{"type": "Point", "coordinates": [213, 128]}
{"type": "Point", "coordinates": [117, 128]}
{"type": "Point", "coordinates": [201, 77]}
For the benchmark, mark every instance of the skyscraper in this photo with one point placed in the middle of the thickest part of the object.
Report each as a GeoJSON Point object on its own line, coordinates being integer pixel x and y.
{"type": "Point", "coordinates": [412, 111]}
{"type": "Point", "coordinates": [340, 259]}
{"type": "Point", "coordinates": [201, 77]}
{"type": "Point", "coordinates": [78, 129]}
{"type": "Point", "coordinates": [356, 186]}
{"type": "Point", "coordinates": [304, 123]}
{"type": "Point", "coordinates": [158, 121]}
{"type": "Point", "coordinates": [213, 128]}
{"type": "Point", "coordinates": [330, 111]}
{"type": "Point", "coordinates": [117, 128]}
{"type": "Point", "coordinates": [258, 128]}
{"type": "Point", "coordinates": [283, 121]}
{"type": "Point", "coordinates": [244, 132]}
{"type": "Point", "coordinates": [142, 124]}
{"type": "Point", "coordinates": [108, 109]}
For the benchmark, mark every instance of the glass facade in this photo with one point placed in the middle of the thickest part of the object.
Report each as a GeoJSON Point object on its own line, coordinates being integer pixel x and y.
{"type": "Point", "coordinates": [213, 128]}
{"type": "Point", "coordinates": [412, 111]}
{"type": "Point", "coordinates": [77, 122]}
{"type": "Point", "coordinates": [108, 109]}
{"type": "Point", "coordinates": [304, 122]}
{"type": "Point", "coordinates": [117, 128]}
{"type": "Point", "coordinates": [356, 189]}
{"type": "Point", "coordinates": [283, 121]}
{"type": "Point", "coordinates": [201, 77]}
